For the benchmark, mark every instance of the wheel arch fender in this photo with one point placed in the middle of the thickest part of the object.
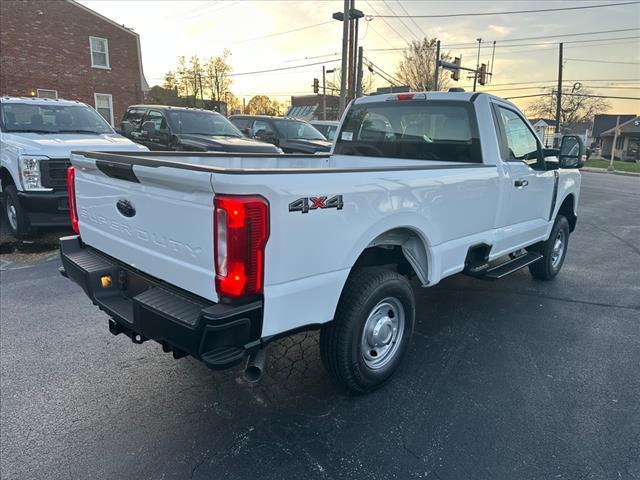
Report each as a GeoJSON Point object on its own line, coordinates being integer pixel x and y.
{"type": "Point", "coordinates": [6, 178]}
{"type": "Point", "coordinates": [567, 208]}
{"type": "Point", "coordinates": [413, 242]}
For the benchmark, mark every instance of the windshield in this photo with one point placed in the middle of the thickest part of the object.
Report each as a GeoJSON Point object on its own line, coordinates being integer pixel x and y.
{"type": "Point", "coordinates": [421, 130]}
{"type": "Point", "coordinates": [54, 118]}
{"type": "Point", "coordinates": [202, 123]}
{"type": "Point", "coordinates": [293, 129]}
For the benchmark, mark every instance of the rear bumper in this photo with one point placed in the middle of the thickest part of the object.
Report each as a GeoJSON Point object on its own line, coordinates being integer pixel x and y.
{"type": "Point", "coordinates": [46, 209]}
{"type": "Point", "coordinates": [144, 308]}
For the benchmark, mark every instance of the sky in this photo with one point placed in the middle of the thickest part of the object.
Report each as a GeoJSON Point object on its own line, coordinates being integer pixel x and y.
{"type": "Point", "coordinates": [607, 63]}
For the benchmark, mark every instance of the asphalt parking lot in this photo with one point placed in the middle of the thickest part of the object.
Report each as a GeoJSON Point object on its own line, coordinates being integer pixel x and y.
{"type": "Point", "coordinates": [515, 379]}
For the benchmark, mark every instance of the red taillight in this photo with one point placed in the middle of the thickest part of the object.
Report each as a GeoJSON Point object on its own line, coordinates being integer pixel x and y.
{"type": "Point", "coordinates": [405, 96]}
{"type": "Point", "coordinates": [241, 230]}
{"type": "Point", "coordinates": [71, 190]}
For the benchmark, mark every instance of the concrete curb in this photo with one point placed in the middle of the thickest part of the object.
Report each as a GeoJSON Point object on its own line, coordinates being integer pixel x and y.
{"type": "Point", "coordinates": [604, 170]}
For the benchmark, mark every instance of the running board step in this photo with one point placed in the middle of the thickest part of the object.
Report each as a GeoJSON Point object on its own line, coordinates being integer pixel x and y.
{"type": "Point", "coordinates": [511, 266]}
{"type": "Point", "coordinates": [223, 357]}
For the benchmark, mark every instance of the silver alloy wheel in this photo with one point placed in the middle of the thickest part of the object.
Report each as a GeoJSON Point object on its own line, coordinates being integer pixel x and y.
{"type": "Point", "coordinates": [382, 333]}
{"type": "Point", "coordinates": [12, 215]}
{"type": "Point", "coordinates": [558, 249]}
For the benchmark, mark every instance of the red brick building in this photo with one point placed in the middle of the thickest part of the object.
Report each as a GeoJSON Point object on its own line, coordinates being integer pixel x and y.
{"type": "Point", "coordinates": [62, 49]}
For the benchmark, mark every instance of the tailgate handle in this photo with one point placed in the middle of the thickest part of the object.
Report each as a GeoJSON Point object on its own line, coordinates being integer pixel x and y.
{"type": "Point", "coordinates": [121, 171]}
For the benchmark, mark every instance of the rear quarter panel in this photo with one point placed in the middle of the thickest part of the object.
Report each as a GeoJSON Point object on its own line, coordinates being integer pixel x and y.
{"type": "Point", "coordinates": [309, 255]}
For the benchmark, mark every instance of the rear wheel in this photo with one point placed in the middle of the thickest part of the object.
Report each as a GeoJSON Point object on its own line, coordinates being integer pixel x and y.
{"type": "Point", "coordinates": [16, 216]}
{"type": "Point", "coordinates": [553, 251]}
{"type": "Point", "coordinates": [365, 343]}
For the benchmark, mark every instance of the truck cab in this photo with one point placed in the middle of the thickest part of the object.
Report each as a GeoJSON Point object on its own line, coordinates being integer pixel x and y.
{"type": "Point", "coordinates": [37, 137]}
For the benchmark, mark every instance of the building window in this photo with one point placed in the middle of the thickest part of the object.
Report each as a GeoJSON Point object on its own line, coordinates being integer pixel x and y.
{"type": "Point", "coordinates": [104, 106]}
{"type": "Point", "coordinates": [44, 93]}
{"type": "Point", "coordinates": [99, 52]}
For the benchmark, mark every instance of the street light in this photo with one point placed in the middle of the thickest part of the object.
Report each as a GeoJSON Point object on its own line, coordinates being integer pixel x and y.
{"type": "Point", "coordinates": [349, 50]}
{"type": "Point", "coordinates": [324, 91]}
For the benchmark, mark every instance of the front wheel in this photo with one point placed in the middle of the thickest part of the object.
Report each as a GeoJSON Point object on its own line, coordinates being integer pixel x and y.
{"type": "Point", "coordinates": [16, 216]}
{"type": "Point", "coordinates": [365, 343]}
{"type": "Point", "coordinates": [553, 251]}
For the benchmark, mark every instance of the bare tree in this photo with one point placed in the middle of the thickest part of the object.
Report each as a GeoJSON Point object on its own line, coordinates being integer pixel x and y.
{"type": "Point", "coordinates": [418, 66]}
{"type": "Point", "coordinates": [576, 108]}
{"type": "Point", "coordinates": [216, 74]}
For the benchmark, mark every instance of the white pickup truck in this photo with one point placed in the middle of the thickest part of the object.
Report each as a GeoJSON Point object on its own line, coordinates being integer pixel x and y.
{"type": "Point", "coordinates": [37, 136]}
{"type": "Point", "coordinates": [216, 255]}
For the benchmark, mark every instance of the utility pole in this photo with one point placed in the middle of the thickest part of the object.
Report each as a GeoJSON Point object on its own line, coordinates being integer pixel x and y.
{"type": "Point", "coordinates": [345, 55]}
{"type": "Point", "coordinates": [475, 75]}
{"type": "Point", "coordinates": [324, 92]}
{"type": "Point", "coordinates": [352, 54]}
{"type": "Point", "coordinates": [613, 145]}
{"type": "Point", "coordinates": [493, 56]}
{"type": "Point", "coordinates": [359, 81]}
{"type": "Point", "coordinates": [556, 141]}
{"type": "Point", "coordinates": [355, 16]}
{"type": "Point", "coordinates": [435, 77]}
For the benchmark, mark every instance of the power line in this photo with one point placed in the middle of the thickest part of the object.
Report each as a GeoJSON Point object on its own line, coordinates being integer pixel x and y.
{"type": "Point", "coordinates": [388, 24]}
{"type": "Point", "coordinates": [601, 61]}
{"type": "Point", "coordinates": [417, 37]}
{"type": "Point", "coordinates": [282, 68]}
{"type": "Point", "coordinates": [391, 79]}
{"type": "Point", "coordinates": [283, 33]}
{"type": "Point", "coordinates": [412, 20]}
{"type": "Point", "coordinates": [574, 95]}
{"type": "Point", "coordinates": [474, 45]}
{"type": "Point", "coordinates": [511, 12]}
{"type": "Point", "coordinates": [382, 36]}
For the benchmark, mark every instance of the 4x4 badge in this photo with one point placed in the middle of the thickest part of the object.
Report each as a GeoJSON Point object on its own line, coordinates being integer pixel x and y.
{"type": "Point", "coordinates": [305, 204]}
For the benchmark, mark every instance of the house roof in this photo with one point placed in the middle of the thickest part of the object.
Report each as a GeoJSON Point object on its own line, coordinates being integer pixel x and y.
{"type": "Point", "coordinates": [549, 121]}
{"type": "Point", "coordinates": [604, 122]}
{"type": "Point", "coordinates": [630, 126]}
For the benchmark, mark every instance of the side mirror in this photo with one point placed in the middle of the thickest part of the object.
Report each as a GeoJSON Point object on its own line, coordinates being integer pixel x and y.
{"type": "Point", "coordinates": [572, 152]}
{"type": "Point", "coordinates": [246, 131]}
{"type": "Point", "coordinates": [149, 128]}
{"type": "Point", "coordinates": [265, 136]}
{"type": "Point", "coordinates": [126, 128]}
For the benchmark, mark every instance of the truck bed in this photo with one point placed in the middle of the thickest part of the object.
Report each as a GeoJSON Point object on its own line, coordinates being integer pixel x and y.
{"type": "Point", "coordinates": [264, 163]}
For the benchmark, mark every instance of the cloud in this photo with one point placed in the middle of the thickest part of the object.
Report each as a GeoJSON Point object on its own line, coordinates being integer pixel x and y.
{"type": "Point", "coordinates": [500, 30]}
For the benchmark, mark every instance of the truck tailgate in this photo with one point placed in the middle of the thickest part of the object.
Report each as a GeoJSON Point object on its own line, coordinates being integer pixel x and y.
{"type": "Point", "coordinates": [158, 220]}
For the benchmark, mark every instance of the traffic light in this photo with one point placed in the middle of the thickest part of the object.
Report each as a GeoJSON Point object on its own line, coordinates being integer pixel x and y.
{"type": "Point", "coordinates": [482, 74]}
{"type": "Point", "coordinates": [316, 85]}
{"type": "Point", "coordinates": [455, 75]}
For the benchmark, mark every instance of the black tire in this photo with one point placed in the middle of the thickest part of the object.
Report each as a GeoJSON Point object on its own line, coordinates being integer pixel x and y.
{"type": "Point", "coordinates": [16, 216]}
{"type": "Point", "coordinates": [548, 266]}
{"type": "Point", "coordinates": [341, 341]}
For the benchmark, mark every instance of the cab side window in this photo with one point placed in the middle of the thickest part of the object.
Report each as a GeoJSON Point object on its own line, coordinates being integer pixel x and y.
{"type": "Point", "coordinates": [158, 119]}
{"type": "Point", "coordinates": [134, 115]}
{"type": "Point", "coordinates": [261, 125]}
{"type": "Point", "coordinates": [521, 141]}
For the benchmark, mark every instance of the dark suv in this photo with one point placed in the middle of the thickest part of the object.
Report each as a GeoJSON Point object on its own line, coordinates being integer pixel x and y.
{"type": "Point", "coordinates": [291, 135]}
{"type": "Point", "coordinates": [161, 127]}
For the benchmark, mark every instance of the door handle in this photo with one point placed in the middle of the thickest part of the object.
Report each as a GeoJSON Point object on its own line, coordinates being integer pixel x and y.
{"type": "Point", "coordinates": [521, 183]}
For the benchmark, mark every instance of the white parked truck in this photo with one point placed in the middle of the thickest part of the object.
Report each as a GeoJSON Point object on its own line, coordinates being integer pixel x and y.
{"type": "Point", "coordinates": [216, 255]}
{"type": "Point", "coordinates": [37, 136]}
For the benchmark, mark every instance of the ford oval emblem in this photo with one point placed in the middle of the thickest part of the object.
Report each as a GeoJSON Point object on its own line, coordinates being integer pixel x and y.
{"type": "Point", "coordinates": [126, 208]}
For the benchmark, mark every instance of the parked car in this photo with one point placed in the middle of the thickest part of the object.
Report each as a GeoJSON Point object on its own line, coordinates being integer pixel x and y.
{"type": "Point", "coordinates": [328, 128]}
{"type": "Point", "coordinates": [36, 139]}
{"type": "Point", "coordinates": [422, 185]}
{"type": "Point", "coordinates": [161, 127]}
{"type": "Point", "coordinates": [291, 135]}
